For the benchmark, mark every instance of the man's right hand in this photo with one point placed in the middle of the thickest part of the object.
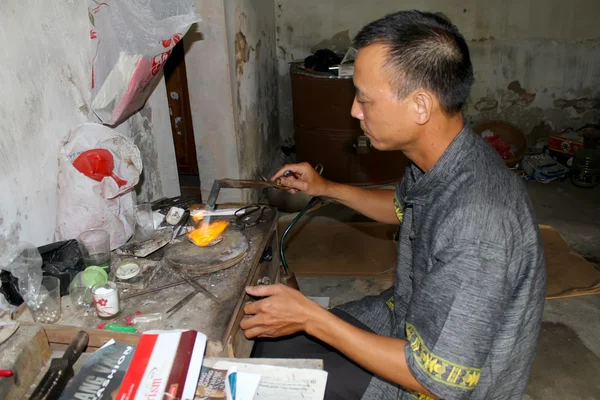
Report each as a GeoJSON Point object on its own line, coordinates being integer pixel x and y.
{"type": "Point", "coordinates": [377, 204]}
{"type": "Point", "coordinates": [304, 179]}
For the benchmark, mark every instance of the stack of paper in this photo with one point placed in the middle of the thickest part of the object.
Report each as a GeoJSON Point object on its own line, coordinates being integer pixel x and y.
{"type": "Point", "coordinates": [241, 381]}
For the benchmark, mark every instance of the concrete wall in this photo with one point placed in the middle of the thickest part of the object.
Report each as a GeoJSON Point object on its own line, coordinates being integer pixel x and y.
{"type": "Point", "coordinates": [150, 130]}
{"type": "Point", "coordinates": [209, 83]}
{"type": "Point", "coordinates": [255, 89]}
{"type": "Point", "coordinates": [536, 62]}
{"type": "Point", "coordinates": [232, 78]}
{"type": "Point", "coordinates": [45, 83]}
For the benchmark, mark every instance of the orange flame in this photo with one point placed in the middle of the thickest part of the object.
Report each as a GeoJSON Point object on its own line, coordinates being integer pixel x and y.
{"type": "Point", "coordinates": [206, 233]}
{"type": "Point", "coordinates": [197, 217]}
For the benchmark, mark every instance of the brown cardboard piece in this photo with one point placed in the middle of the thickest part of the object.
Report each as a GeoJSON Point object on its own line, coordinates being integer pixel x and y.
{"type": "Point", "coordinates": [356, 249]}
{"type": "Point", "coordinates": [367, 249]}
{"type": "Point", "coordinates": [568, 273]}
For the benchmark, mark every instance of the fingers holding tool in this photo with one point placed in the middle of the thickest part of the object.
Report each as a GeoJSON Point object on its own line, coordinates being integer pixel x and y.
{"type": "Point", "coordinates": [301, 178]}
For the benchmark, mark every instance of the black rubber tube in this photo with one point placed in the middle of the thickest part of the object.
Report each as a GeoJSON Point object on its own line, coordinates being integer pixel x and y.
{"type": "Point", "coordinates": [307, 207]}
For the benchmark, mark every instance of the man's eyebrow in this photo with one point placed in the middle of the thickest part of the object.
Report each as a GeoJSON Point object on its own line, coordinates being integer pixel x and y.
{"type": "Point", "coordinates": [359, 93]}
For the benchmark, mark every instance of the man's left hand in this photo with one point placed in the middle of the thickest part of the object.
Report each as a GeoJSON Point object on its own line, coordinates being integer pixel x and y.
{"type": "Point", "coordinates": [283, 312]}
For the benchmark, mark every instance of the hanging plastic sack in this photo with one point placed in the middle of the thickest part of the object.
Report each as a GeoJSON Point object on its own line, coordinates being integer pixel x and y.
{"type": "Point", "coordinates": [133, 40]}
{"type": "Point", "coordinates": [84, 203]}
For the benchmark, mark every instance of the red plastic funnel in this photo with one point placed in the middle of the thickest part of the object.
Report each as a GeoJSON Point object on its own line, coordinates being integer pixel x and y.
{"type": "Point", "coordinates": [97, 164]}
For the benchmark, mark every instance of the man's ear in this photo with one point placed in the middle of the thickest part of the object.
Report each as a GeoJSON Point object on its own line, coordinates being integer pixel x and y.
{"type": "Point", "coordinates": [423, 103]}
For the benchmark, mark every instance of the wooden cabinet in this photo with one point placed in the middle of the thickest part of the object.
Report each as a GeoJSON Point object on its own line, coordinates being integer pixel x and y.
{"type": "Point", "coordinates": [327, 134]}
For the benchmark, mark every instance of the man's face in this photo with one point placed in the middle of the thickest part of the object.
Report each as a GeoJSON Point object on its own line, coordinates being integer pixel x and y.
{"type": "Point", "coordinates": [384, 119]}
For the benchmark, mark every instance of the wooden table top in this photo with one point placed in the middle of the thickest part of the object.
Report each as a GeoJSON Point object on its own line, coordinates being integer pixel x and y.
{"type": "Point", "coordinates": [200, 313]}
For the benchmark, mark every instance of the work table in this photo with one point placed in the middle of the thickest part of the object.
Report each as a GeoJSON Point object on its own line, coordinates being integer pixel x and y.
{"type": "Point", "coordinates": [219, 322]}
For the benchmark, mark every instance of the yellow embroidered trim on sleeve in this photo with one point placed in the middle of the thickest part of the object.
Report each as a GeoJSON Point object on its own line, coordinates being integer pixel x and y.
{"type": "Point", "coordinates": [439, 369]}
{"type": "Point", "coordinates": [418, 395]}
{"type": "Point", "coordinates": [390, 303]}
{"type": "Point", "coordinates": [398, 208]}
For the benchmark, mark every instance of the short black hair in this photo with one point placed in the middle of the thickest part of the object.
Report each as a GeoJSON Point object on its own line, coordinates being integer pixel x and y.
{"type": "Point", "coordinates": [425, 51]}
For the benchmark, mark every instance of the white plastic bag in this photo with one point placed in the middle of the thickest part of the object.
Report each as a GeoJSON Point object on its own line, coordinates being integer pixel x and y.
{"type": "Point", "coordinates": [134, 38]}
{"type": "Point", "coordinates": [84, 203]}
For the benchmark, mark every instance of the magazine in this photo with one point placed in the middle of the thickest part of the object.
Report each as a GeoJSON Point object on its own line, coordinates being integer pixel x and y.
{"type": "Point", "coordinates": [102, 374]}
{"type": "Point", "coordinates": [211, 385]}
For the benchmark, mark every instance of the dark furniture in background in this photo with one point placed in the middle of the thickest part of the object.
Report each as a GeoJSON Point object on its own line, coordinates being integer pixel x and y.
{"type": "Point", "coordinates": [327, 134]}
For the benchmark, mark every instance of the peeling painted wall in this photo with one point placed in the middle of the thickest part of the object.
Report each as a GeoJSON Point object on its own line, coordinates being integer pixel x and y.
{"type": "Point", "coordinates": [536, 62]}
{"type": "Point", "coordinates": [540, 85]}
{"type": "Point", "coordinates": [232, 79]}
{"type": "Point", "coordinates": [255, 89]}
{"type": "Point", "coordinates": [45, 91]}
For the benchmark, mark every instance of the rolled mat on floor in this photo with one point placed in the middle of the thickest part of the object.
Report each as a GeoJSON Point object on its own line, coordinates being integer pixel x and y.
{"type": "Point", "coordinates": [367, 249]}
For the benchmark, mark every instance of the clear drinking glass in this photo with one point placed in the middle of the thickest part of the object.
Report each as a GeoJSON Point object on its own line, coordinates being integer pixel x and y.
{"type": "Point", "coordinates": [45, 305]}
{"type": "Point", "coordinates": [94, 245]}
{"type": "Point", "coordinates": [144, 221]}
{"type": "Point", "coordinates": [80, 288]}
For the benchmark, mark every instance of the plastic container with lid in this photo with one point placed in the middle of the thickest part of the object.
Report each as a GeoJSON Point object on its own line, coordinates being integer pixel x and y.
{"type": "Point", "coordinates": [127, 270]}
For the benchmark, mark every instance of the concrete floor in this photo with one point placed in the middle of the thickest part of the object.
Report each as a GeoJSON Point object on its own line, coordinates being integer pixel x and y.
{"type": "Point", "coordinates": [567, 364]}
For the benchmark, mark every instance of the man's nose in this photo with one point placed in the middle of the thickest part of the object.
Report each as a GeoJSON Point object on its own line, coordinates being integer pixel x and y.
{"type": "Point", "coordinates": [356, 110]}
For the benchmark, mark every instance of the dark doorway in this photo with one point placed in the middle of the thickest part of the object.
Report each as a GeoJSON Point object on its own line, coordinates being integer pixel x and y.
{"type": "Point", "coordinates": [181, 121]}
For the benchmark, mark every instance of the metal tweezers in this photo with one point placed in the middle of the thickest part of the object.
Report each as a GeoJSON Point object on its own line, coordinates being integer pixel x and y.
{"type": "Point", "coordinates": [178, 201]}
{"type": "Point", "coordinates": [249, 216]}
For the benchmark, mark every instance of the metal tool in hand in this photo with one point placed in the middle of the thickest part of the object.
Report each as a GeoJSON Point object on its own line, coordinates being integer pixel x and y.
{"type": "Point", "coordinates": [197, 289]}
{"type": "Point", "coordinates": [247, 184]}
{"type": "Point", "coordinates": [287, 277]}
{"type": "Point", "coordinates": [289, 172]}
{"type": "Point", "coordinates": [236, 184]}
{"type": "Point", "coordinates": [61, 370]}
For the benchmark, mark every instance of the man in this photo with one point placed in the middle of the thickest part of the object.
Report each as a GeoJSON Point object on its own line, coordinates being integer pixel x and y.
{"type": "Point", "coordinates": [463, 317]}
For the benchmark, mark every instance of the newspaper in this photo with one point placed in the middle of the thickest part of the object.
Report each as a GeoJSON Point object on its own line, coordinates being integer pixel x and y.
{"type": "Point", "coordinates": [278, 383]}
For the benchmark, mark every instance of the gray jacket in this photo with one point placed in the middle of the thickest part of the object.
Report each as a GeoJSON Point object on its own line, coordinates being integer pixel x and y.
{"type": "Point", "coordinates": [470, 278]}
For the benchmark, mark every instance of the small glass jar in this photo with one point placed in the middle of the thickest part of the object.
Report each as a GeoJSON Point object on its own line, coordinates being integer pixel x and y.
{"type": "Point", "coordinates": [106, 300]}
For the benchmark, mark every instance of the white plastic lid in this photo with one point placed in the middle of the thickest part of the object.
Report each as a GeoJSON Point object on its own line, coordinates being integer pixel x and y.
{"type": "Point", "coordinates": [128, 270]}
